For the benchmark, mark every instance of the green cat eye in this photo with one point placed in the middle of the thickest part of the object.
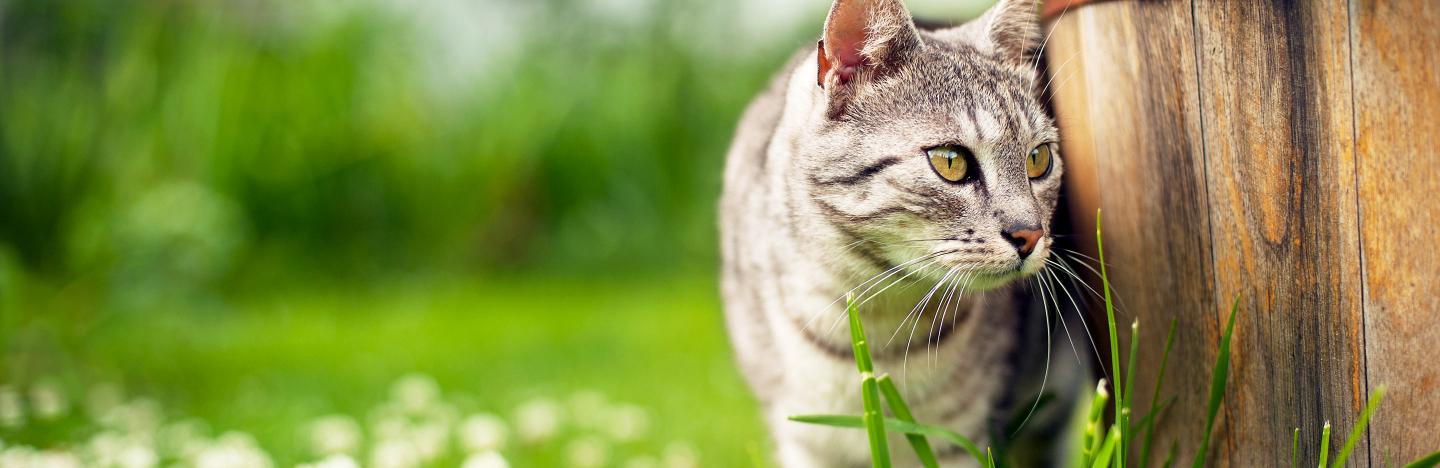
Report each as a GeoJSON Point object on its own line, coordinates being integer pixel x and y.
{"type": "Point", "coordinates": [1038, 163]}
{"type": "Point", "coordinates": [949, 162]}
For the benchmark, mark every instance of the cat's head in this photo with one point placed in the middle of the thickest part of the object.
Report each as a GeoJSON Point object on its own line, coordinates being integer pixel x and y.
{"type": "Point", "coordinates": [933, 145]}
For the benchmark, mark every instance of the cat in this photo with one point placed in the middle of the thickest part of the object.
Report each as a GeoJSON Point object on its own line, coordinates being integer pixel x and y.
{"type": "Point", "coordinates": [920, 163]}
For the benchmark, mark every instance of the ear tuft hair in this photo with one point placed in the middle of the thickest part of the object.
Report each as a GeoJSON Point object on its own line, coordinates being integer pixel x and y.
{"type": "Point", "coordinates": [862, 39]}
{"type": "Point", "coordinates": [1013, 29]}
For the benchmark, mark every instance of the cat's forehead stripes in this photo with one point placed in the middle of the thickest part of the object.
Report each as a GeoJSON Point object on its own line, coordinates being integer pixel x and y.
{"type": "Point", "coordinates": [980, 98]}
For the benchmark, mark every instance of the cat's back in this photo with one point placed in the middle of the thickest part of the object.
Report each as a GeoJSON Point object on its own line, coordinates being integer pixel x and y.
{"type": "Point", "coordinates": [746, 214]}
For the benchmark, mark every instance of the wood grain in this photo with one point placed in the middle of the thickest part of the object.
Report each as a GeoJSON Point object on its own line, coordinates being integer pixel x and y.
{"type": "Point", "coordinates": [1397, 126]}
{"type": "Point", "coordinates": [1130, 122]}
{"type": "Point", "coordinates": [1282, 152]}
{"type": "Point", "coordinates": [1280, 167]}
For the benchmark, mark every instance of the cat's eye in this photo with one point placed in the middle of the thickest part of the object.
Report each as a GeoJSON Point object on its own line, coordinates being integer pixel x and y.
{"type": "Point", "coordinates": [1038, 163]}
{"type": "Point", "coordinates": [950, 162]}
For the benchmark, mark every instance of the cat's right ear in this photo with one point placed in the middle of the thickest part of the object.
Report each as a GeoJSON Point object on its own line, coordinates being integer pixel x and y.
{"type": "Point", "coordinates": [863, 39]}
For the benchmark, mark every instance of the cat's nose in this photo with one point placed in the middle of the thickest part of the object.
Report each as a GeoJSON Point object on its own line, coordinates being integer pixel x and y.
{"type": "Point", "coordinates": [1023, 236]}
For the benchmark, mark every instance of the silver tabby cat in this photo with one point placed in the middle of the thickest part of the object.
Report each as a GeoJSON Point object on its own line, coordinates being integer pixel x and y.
{"type": "Point", "coordinates": [918, 163]}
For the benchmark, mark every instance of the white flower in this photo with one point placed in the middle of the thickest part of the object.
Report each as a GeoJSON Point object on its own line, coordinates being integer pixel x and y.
{"type": "Point", "coordinates": [415, 392]}
{"type": "Point", "coordinates": [21, 456]}
{"type": "Point", "coordinates": [537, 420]}
{"type": "Point", "coordinates": [430, 439]}
{"type": "Point", "coordinates": [681, 455]}
{"type": "Point", "coordinates": [628, 423]}
{"type": "Point", "coordinates": [587, 452]}
{"type": "Point", "coordinates": [485, 460]}
{"type": "Point", "coordinates": [389, 425]}
{"type": "Point", "coordinates": [394, 454]}
{"type": "Point", "coordinates": [48, 400]}
{"type": "Point", "coordinates": [335, 434]}
{"type": "Point", "coordinates": [55, 459]}
{"type": "Point", "coordinates": [115, 449]}
{"type": "Point", "coordinates": [138, 415]}
{"type": "Point", "coordinates": [482, 432]}
{"type": "Point", "coordinates": [182, 439]}
{"type": "Point", "coordinates": [12, 410]}
{"type": "Point", "coordinates": [333, 461]}
{"type": "Point", "coordinates": [426, 433]}
{"type": "Point", "coordinates": [18, 455]}
{"type": "Point", "coordinates": [137, 456]}
{"type": "Point", "coordinates": [232, 450]}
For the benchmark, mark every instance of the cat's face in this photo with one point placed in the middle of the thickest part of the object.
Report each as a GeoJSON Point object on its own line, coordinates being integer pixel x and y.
{"type": "Point", "coordinates": [944, 160]}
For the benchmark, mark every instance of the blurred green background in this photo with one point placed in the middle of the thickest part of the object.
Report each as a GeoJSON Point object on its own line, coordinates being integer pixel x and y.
{"type": "Point", "coordinates": [253, 217]}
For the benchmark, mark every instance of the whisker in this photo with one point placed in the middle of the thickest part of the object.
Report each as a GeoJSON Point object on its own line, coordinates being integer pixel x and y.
{"type": "Point", "coordinates": [887, 273]}
{"type": "Point", "coordinates": [1040, 51]}
{"type": "Point", "coordinates": [1084, 323]}
{"type": "Point", "coordinates": [1045, 377]}
{"type": "Point", "coordinates": [957, 293]}
{"type": "Point", "coordinates": [1073, 304]}
{"type": "Point", "coordinates": [1119, 300]}
{"type": "Point", "coordinates": [1057, 71]}
{"type": "Point", "coordinates": [914, 312]}
{"type": "Point", "coordinates": [940, 311]}
{"type": "Point", "coordinates": [864, 299]}
{"type": "Point", "coordinates": [1077, 253]}
{"type": "Point", "coordinates": [933, 260]}
{"type": "Point", "coordinates": [920, 306]}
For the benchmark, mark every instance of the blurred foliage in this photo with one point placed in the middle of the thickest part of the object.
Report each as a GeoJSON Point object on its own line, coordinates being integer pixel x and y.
{"type": "Point", "coordinates": [304, 129]}
{"type": "Point", "coordinates": [258, 212]}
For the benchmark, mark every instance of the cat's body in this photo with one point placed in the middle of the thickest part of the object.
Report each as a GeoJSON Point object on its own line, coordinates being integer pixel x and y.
{"type": "Point", "coordinates": [828, 185]}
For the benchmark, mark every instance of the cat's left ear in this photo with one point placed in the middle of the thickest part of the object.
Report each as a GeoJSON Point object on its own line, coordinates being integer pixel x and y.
{"type": "Point", "coordinates": [1013, 29]}
{"type": "Point", "coordinates": [863, 39]}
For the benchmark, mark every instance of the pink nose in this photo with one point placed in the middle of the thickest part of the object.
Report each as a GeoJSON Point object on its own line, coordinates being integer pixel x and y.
{"type": "Point", "coordinates": [1024, 240]}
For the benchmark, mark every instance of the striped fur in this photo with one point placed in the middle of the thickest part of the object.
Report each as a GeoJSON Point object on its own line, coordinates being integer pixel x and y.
{"type": "Point", "coordinates": [827, 185]}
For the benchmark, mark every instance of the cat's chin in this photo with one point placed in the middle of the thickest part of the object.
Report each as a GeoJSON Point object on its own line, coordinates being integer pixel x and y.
{"type": "Point", "coordinates": [990, 281]}
{"type": "Point", "coordinates": [986, 278]}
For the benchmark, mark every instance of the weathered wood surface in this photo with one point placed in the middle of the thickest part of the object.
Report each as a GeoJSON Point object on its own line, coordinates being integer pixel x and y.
{"type": "Point", "coordinates": [1281, 152]}
{"type": "Point", "coordinates": [1397, 127]}
{"type": "Point", "coordinates": [1280, 167]}
{"type": "Point", "coordinates": [1113, 99]}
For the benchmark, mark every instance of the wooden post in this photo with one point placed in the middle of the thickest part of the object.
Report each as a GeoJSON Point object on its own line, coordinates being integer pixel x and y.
{"type": "Point", "coordinates": [1280, 152]}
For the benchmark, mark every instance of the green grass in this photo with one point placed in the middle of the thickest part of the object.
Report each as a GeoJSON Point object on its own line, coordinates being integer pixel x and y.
{"type": "Point", "coordinates": [279, 359]}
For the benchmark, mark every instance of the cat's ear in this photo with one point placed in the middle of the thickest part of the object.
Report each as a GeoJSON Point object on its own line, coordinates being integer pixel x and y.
{"type": "Point", "coordinates": [1012, 29]}
{"type": "Point", "coordinates": [862, 39]}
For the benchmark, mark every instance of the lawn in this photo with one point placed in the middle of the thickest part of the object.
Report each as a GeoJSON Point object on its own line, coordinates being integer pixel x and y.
{"type": "Point", "coordinates": [650, 352]}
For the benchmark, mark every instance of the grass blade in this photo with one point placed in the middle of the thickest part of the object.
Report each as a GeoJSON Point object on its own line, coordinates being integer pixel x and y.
{"type": "Point", "coordinates": [902, 412]}
{"type": "Point", "coordinates": [857, 337]}
{"type": "Point", "coordinates": [1217, 385]}
{"type": "Point", "coordinates": [1359, 427]}
{"type": "Point", "coordinates": [1148, 421]}
{"type": "Point", "coordinates": [1153, 414]}
{"type": "Point", "coordinates": [1324, 444]}
{"type": "Point", "coordinates": [1170, 456]}
{"type": "Point", "coordinates": [874, 422]}
{"type": "Point", "coordinates": [869, 389]}
{"type": "Point", "coordinates": [896, 425]}
{"type": "Point", "coordinates": [1110, 320]}
{"type": "Point", "coordinates": [1107, 451]}
{"type": "Point", "coordinates": [1428, 461]}
{"type": "Point", "coordinates": [1126, 434]}
{"type": "Point", "coordinates": [1093, 439]}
